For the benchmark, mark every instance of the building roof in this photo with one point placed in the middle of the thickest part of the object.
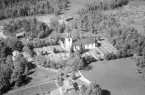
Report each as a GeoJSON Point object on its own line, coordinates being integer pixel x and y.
{"type": "Point", "coordinates": [84, 41]}
{"type": "Point", "coordinates": [68, 84]}
{"type": "Point", "coordinates": [88, 34]}
{"type": "Point", "coordinates": [20, 34]}
{"type": "Point", "coordinates": [15, 53]}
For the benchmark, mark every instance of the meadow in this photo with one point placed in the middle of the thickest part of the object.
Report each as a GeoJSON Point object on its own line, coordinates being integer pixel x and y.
{"type": "Point", "coordinates": [41, 81]}
{"type": "Point", "coordinates": [117, 76]}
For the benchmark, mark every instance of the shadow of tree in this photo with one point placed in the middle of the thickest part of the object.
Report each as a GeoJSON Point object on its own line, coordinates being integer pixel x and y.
{"type": "Point", "coordinates": [87, 68]}
{"type": "Point", "coordinates": [105, 92]}
{"type": "Point", "coordinates": [31, 66]}
{"type": "Point", "coordinates": [27, 80]}
{"type": "Point", "coordinates": [31, 72]}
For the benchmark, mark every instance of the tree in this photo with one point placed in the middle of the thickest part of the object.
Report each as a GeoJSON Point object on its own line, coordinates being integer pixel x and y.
{"type": "Point", "coordinates": [81, 49]}
{"type": "Point", "coordinates": [28, 50]}
{"type": "Point", "coordinates": [18, 46]}
{"type": "Point", "coordinates": [19, 73]}
{"type": "Point", "coordinates": [55, 25]}
{"type": "Point", "coordinates": [5, 73]}
{"type": "Point", "coordinates": [9, 61]}
{"type": "Point", "coordinates": [41, 60]}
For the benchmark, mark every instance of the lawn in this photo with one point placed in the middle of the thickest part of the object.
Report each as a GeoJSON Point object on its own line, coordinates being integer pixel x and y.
{"type": "Point", "coordinates": [40, 77]}
{"type": "Point", "coordinates": [117, 76]}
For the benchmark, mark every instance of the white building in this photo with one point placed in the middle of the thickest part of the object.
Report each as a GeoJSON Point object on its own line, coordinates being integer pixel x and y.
{"type": "Point", "coordinates": [15, 54]}
{"type": "Point", "coordinates": [86, 43]}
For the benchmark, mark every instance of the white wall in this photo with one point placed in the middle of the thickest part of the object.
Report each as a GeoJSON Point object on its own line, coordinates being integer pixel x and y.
{"type": "Point", "coordinates": [90, 46]}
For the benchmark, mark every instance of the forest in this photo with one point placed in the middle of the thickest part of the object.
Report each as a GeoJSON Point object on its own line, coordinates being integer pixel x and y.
{"type": "Point", "coordinates": [19, 8]}
{"type": "Point", "coordinates": [32, 28]}
{"type": "Point", "coordinates": [37, 32]}
{"type": "Point", "coordinates": [12, 73]}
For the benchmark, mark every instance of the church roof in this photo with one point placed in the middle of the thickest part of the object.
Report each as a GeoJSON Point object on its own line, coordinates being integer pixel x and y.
{"type": "Point", "coordinates": [84, 41]}
{"type": "Point", "coordinates": [88, 34]}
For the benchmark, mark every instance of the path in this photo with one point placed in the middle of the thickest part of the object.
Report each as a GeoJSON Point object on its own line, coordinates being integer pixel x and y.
{"type": "Point", "coordinates": [29, 87]}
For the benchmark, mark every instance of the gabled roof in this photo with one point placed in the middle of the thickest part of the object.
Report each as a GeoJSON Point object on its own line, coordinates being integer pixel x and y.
{"type": "Point", "coordinates": [89, 34]}
{"type": "Point", "coordinates": [20, 34]}
{"type": "Point", "coordinates": [84, 41]}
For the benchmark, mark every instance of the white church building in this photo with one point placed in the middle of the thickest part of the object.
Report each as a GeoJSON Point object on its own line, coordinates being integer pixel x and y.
{"type": "Point", "coordinates": [86, 43]}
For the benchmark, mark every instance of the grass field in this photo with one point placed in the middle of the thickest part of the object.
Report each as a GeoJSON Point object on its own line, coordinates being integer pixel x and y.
{"type": "Point", "coordinates": [44, 88]}
{"type": "Point", "coordinates": [117, 76]}
{"type": "Point", "coordinates": [40, 77]}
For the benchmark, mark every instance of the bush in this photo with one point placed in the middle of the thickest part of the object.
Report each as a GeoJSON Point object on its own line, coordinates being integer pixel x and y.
{"type": "Point", "coordinates": [110, 56]}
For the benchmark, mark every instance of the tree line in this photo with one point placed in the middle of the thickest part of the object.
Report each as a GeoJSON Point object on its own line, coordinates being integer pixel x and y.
{"type": "Point", "coordinates": [18, 8]}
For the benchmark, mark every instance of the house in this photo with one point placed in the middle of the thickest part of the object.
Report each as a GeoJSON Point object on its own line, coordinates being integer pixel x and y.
{"type": "Point", "coordinates": [27, 56]}
{"type": "Point", "coordinates": [21, 34]}
{"type": "Point", "coordinates": [15, 54]}
{"type": "Point", "coordinates": [67, 85]}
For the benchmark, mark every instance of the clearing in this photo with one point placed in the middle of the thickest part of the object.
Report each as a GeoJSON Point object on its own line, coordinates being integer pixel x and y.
{"type": "Point", "coordinates": [117, 76]}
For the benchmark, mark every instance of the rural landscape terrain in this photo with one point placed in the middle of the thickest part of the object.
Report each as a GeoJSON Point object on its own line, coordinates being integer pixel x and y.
{"type": "Point", "coordinates": [72, 47]}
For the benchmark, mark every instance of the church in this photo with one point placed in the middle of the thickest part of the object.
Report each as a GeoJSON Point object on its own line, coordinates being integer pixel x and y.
{"type": "Point", "coordinates": [86, 43]}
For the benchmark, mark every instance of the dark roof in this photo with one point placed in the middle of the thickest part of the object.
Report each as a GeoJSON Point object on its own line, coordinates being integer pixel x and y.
{"type": "Point", "coordinates": [84, 41]}
{"type": "Point", "coordinates": [89, 34]}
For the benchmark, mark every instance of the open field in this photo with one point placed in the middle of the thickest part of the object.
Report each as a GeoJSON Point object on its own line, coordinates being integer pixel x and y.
{"type": "Point", "coordinates": [44, 88]}
{"type": "Point", "coordinates": [117, 76]}
{"type": "Point", "coordinates": [40, 78]}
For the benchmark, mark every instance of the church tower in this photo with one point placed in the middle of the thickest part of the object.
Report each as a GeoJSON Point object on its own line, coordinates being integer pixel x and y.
{"type": "Point", "coordinates": [68, 41]}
